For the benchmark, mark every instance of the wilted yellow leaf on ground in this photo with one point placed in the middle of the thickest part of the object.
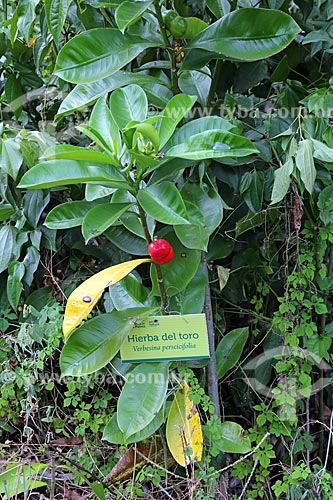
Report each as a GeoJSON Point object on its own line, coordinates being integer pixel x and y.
{"type": "Point", "coordinates": [183, 429]}
{"type": "Point", "coordinates": [83, 299]}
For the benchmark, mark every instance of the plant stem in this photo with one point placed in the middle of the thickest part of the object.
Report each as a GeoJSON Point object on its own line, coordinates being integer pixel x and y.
{"type": "Point", "coordinates": [212, 380]}
{"type": "Point", "coordinates": [169, 49]}
{"type": "Point", "coordinates": [215, 78]}
{"type": "Point", "coordinates": [160, 280]}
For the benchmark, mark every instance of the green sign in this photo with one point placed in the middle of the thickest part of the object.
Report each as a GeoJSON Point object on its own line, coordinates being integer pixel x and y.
{"type": "Point", "coordinates": [167, 337]}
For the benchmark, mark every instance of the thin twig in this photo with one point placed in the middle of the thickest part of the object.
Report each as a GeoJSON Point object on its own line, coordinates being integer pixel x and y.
{"type": "Point", "coordinates": [241, 459]}
{"type": "Point", "coordinates": [249, 478]}
{"type": "Point", "coordinates": [212, 380]}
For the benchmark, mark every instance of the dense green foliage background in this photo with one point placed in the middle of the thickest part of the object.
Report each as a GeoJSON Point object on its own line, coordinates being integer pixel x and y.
{"type": "Point", "coordinates": [223, 113]}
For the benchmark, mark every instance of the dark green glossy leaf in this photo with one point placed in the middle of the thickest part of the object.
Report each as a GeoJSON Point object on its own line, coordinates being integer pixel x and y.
{"type": "Point", "coordinates": [86, 94]}
{"type": "Point", "coordinates": [66, 215]}
{"type": "Point", "coordinates": [208, 201]}
{"type": "Point", "coordinates": [127, 13]}
{"type": "Point", "coordinates": [142, 397]}
{"type": "Point", "coordinates": [128, 104]}
{"type": "Point", "coordinates": [196, 83]}
{"type": "Point", "coordinates": [14, 94]}
{"type": "Point", "coordinates": [96, 342]}
{"type": "Point", "coordinates": [69, 152]}
{"type": "Point", "coordinates": [218, 7]}
{"type": "Point", "coordinates": [247, 34]}
{"type": "Point", "coordinates": [114, 435]}
{"type": "Point", "coordinates": [128, 292]}
{"type": "Point", "coordinates": [127, 241]}
{"type": "Point", "coordinates": [194, 127]}
{"type": "Point", "coordinates": [164, 203]}
{"type": "Point", "coordinates": [56, 12]}
{"type": "Point", "coordinates": [6, 211]}
{"type": "Point", "coordinates": [192, 298]}
{"type": "Point", "coordinates": [64, 172]}
{"type": "Point", "coordinates": [173, 113]}
{"type": "Point", "coordinates": [97, 53]}
{"type": "Point", "coordinates": [105, 128]}
{"type": "Point", "coordinates": [100, 218]}
{"type": "Point", "coordinates": [230, 350]}
{"type": "Point", "coordinates": [213, 144]}
{"type": "Point", "coordinates": [253, 195]}
{"type": "Point", "coordinates": [34, 203]}
{"type": "Point", "coordinates": [177, 273]}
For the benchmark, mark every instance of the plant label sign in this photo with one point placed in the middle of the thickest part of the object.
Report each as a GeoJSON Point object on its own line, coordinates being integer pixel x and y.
{"type": "Point", "coordinates": [166, 338]}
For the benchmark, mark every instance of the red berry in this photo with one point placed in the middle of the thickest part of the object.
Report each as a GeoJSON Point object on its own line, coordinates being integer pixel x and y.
{"type": "Point", "coordinates": [160, 251]}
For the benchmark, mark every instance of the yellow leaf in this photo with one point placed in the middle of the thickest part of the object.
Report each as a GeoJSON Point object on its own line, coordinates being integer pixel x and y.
{"type": "Point", "coordinates": [183, 429]}
{"type": "Point", "coordinates": [83, 299]}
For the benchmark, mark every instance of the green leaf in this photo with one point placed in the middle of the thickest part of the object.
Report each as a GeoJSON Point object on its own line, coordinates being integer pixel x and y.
{"type": "Point", "coordinates": [95, 192]}
{"type": "Point", "coordinates": [114, 435]}
{"type": "Point", "coordinates": [14, 283]}
{"type": "Point", "coordinates": [230, 349]}
{"type": "Point", "coordinates": [232, 439]}
{"type": "Point", "coordinates": [128, 104]}
{"type": "Point", "coordinates": [142, 397]}
{"type": "Point", "coordinates": [253, 194]}
{"type": "Point", "coordinates": [69, 152]}
{"type": "Point", "coordinates": [96, 342]}
{"type": "Point", "coordinates": [282, 181]}
{"type": "Point", "coordinates": [34, 203]}
{"type": "Point", "coordinates": [173, 113]}
{"type": "Point", "coordinates": [249, 221]}
{"type": "Point", "coordinates": [103, 124]}
{"type": "Point", "coordinates": [164, 203]}
{"type": "Point", "coordinates": [196, 83]}
{"type": "Point", "coordinates": [14, 94]}
{"type": "Point", "coordinates": [127, 13]}
{"type": "Point", "coordinates": [195, 127]}
{"type": "Point", "coordinates": [17, 478]}
{"type": "Point", "coordinates": [223, 274]}
{"type": "Point", "coordinates": [322, 151]}
{"type": "Point", "coordinates": [305, 164]}
{"type": "Point", "coordinates": [192, 298]}
{"type": "Point", "coordinates": [218, 7]}
{"type": "Point", "coordinates": [84, 95]}
{"type": "Point", "coordinates": [66, 215]}
{"type": "Point", "coordinates": [177, 273]}
{"type": "Point", "coordinates": [100, 218]}
{"type": "Point", "coordinates": [6, 211]}
{"type": "Point", "coordinates": [194, 235]}
{"type": "Point", "coordinates": [194, 25]}
{"type": "Point", "coordinates": [10, 157]}
{"type": "Point", "coordinates": [213, 144]}
{"type": "Point", "coordinates": [128, 292]}
{"type": "Point", "coordinates": [126, 240]}
{"type": "Point", "coordinates": [318, 347]}
{"type": "Point", "coordinates": [208, 201]}
{"type": "Point", "coordinates": [26, 16]}
{"type": "Point", "coordinates": [144, 131]}
{"type": "Point", "coordinates": [56, 12]}
{"type": "Point", "coordinates": [247, 34]}
{"type": "Point", "coordinates": [98, 53]}
{"type": "Point", "coordinates": [8, 236]}
{"type": "Point", "coordinates": [325, 204]}
{"type": "Point", "coordinates": [65, 172]}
